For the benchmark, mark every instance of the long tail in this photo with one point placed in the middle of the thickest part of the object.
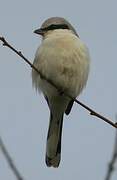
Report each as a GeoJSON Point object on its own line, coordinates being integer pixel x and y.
{"type": "Point", "coordinates": [53, 147]}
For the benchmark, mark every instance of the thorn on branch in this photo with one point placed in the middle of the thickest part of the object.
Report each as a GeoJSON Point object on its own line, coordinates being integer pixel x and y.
{"type": "Point", "coordinates": [92, 113]}
{"type": "Point", "coordinates": [3, 40]}
{"type": "Point", "coordinates": [20, 52]}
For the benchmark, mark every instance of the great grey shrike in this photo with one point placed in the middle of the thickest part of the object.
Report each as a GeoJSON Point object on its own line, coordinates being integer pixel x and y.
{"type": "Point", "coordinates": [64, 59]}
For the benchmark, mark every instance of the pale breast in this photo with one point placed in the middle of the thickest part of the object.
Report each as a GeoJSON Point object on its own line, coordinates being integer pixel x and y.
{"type": "Point", "coordinates": [64, 60]}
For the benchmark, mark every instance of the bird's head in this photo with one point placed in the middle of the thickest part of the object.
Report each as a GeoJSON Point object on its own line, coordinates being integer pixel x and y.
{"type": "Point", "coordinates": [54, 23]}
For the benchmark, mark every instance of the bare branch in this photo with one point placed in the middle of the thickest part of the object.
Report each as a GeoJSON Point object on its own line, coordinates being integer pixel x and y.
{"type": "Point", "coordinates": [113, 160]}
{"type": "Point", "coordinates": [10, 161]}
{"type": "Point", "coordinates": [92, 112]}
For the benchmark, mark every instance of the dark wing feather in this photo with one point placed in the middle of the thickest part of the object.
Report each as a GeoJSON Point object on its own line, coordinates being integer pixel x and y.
{"type": "Point", "coordinates": [69, 107]}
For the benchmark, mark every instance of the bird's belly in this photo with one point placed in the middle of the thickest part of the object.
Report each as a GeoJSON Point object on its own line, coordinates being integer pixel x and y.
{"type": "Point", "coordinates": [66, 67]}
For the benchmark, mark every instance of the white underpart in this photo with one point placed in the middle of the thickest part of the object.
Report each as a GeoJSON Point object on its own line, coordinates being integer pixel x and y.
{"type": "Point", "coordinates": [63, 58]}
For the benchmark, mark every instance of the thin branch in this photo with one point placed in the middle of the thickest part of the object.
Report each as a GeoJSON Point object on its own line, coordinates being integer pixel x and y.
{"type": "Point", "coordinates": [92, 112]}
{"type": "Point", "coordinates": [111, 165]}
{"type": "Point", "coordinates": [10, 161]}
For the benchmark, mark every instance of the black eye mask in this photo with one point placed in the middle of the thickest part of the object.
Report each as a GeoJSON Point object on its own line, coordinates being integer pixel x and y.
{"type": "Point", "coordinates": [55, 26]}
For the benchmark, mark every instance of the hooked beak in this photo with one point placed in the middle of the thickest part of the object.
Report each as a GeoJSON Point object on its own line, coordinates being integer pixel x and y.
{"type": "Point", "coordinates": [39, 31]}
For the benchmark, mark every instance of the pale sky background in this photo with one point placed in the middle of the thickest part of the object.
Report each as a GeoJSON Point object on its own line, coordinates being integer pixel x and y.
{"type": "Point", "coordinates": [87, 142]}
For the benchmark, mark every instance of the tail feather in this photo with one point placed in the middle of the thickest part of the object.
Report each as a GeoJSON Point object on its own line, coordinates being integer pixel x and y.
{"type": "Point", "coordinates": [53, 147]}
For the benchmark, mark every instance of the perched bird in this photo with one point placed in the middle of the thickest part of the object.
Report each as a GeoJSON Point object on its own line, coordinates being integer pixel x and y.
{"type": "Point", "coordinates": [64, 59]}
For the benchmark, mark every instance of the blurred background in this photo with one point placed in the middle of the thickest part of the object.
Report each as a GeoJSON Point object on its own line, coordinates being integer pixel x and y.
{"type": "Point", "coordinates": [87, 142]}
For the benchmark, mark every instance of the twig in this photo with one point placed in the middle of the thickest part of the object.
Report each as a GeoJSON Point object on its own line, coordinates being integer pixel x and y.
{"type": "Point", "coordinates": [10, 161]}
{"type": "Point", "coordinates": [92, 112]}
{"type": "Point", "coordinates": [113, 160]}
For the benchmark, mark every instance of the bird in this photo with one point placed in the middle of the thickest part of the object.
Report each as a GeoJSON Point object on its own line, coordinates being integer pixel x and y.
{"type": "Point", "coordinates": [63, 59]}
